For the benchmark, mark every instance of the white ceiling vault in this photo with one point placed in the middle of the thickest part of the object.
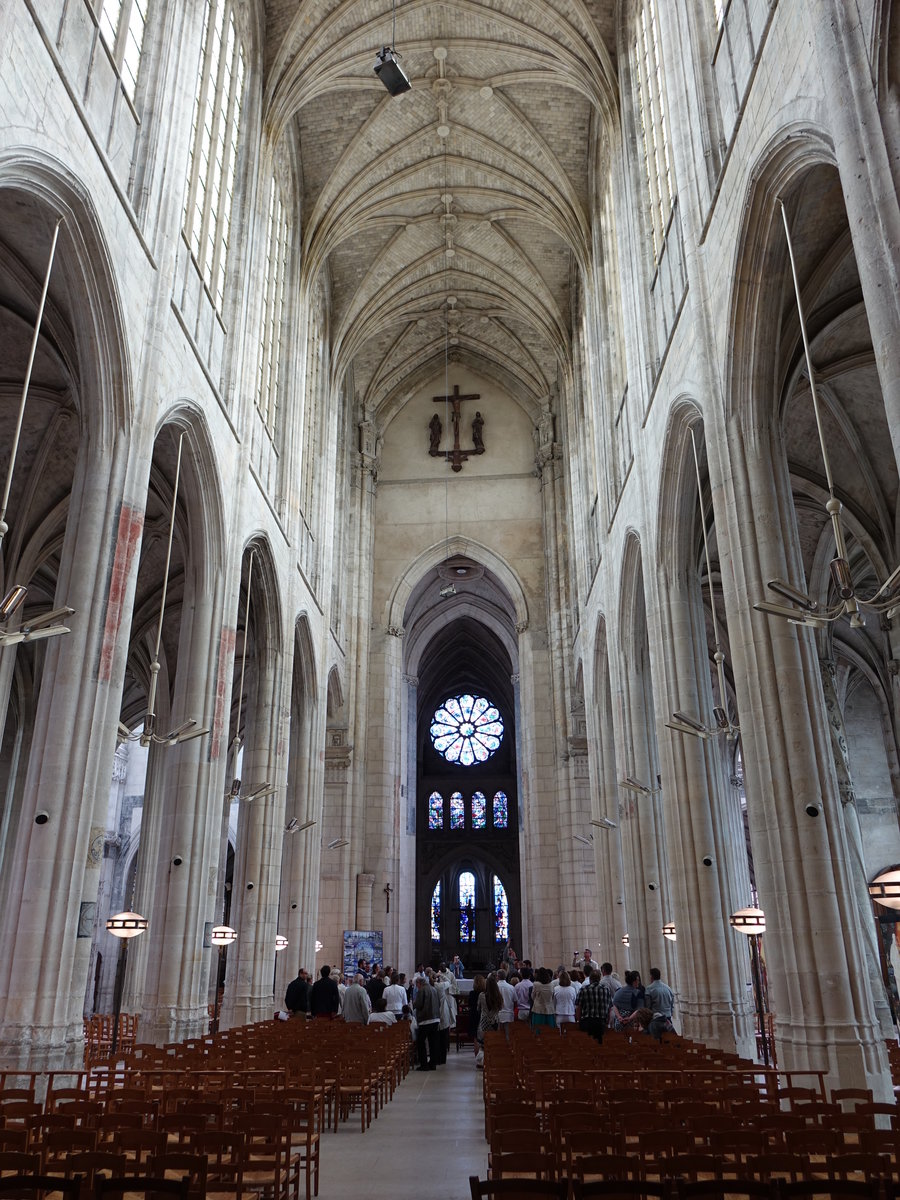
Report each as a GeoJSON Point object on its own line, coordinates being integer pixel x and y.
{"type": "Point", "coordinates": [458, 212]}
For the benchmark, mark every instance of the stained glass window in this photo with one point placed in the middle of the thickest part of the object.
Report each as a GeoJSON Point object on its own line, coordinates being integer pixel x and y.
{"type": "Point", "coordinates": [501, 812]}
{"type": "Point", "coordinates": [467, 907]}
{"type": "Point", "coordinates": [457, 811]}
{"type": "Point", "coordinates": [466, 729]}
{"type": "Point", "coordinates": [435, 811]}
{"type": "Point", "coordinates": [501, 912]}
{"type": "Point", "coordinates": [479, 809]}
{"type": "Point", "coordinates": [436, 913]}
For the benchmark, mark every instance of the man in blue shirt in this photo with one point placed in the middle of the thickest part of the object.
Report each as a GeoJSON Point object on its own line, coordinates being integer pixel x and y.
{"type": "Point", "coordinates": [660, 999]}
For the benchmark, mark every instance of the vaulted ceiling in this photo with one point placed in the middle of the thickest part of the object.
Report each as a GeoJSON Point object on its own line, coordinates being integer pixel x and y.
{"type": "Point", "coordinates": [449, 219]}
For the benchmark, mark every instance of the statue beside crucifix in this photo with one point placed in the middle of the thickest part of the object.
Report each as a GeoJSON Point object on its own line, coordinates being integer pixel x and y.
{"type": "Point", "coordinates": [457, 456]}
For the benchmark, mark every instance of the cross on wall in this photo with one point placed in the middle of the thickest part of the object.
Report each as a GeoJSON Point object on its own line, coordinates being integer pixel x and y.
{"type": "Point", "coordinates": [457, 456]}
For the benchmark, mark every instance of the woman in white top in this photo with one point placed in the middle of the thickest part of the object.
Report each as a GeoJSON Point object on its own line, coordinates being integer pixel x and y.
{"type": "Point", "coordinates": [564, 1000]}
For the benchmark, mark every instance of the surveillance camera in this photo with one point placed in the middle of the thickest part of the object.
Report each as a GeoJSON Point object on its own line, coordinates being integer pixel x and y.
{"type": "Point", "coordinates": [177, 860]}
{"type": "Point", "coordinates": [652, 886]}
{"type": "Point", "coordinates": [293, 906]}
{"type": "Point", "coordinates": [41, 818]}
{"type": "Point", "coordinates": [812, 810]}
{"type": "Point", "coordinates": [250, 886]}
{"type": "Point", "coordinates": [707, 860]}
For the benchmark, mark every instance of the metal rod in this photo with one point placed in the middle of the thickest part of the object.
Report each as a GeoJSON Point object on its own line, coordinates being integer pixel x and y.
{"type": "Point", "coordinates": [218, 974]}
{"type": "Point", "coordinates": [833, 509]}
{"type": "Point", "coordinates": [154, 668]}
{"type": "Point", "coordinates": [237, 729]}
{"type": "Point", "coordinates": [117, 999]}
{"type": "Point", "coordinates": [393, 23]}
{"type": "Point", "coordinates": [21, 417]}
{"type": "Point", "coordinates": [718, 656]}
{"type": "Point", "coordinates": [757, 987]}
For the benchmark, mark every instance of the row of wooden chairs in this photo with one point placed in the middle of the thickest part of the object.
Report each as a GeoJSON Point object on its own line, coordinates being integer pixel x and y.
{"type": "Point", "coordinates": [104, 1187]}
{"type": "Point", "coordinates": [623, 1189]}
{"type": "Point", "coordinates": [551, 1113]}
{"type": "Point", "coordinates": [274, 1134]}
{"type": "Point", "coordinates": [98, 1036]}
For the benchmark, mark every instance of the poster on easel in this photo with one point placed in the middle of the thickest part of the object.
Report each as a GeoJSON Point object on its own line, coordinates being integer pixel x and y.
{"type": "Point", "coordinates": [362, 944]}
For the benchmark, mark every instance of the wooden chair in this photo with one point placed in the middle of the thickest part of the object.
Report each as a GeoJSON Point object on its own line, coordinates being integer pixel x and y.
{"type": "Point", "coordinates": [84, 1164]}
{"type": "Point", "coordinates": [137, 1145]}
{"type": "Point", "coordinates": [621, 1189]}
{"type": "Point", "coordinates": [58, 1144]}
{"type": "Point", "coordinates": [177, 1165]}
{"type": "Point", "coordinates": [587, 1167]}
{"type": "Point", "coordinates": [516, 1188]}
{"type": "Point", "coordinates": [531, 1165]}
{"type": "Point", "coordinates": [834, 1189]}
{"type": "Point", "coordinates": [730, 1189]}
{"type": "Point", "coordinates": [19, 1162]}
{"type": "Point", "coordinates": [768, 1167]}
{"type": "Point", "coordinates": [122, 1186]}
{"type": "Point", "coordinates": [691, 1166]}
{"type": "Point", "coordinates": [39, 1186]}
{"type": "Point", "coordinates": [267, 1164]}
{"type": "Point", "coordinates": [14, 1138]}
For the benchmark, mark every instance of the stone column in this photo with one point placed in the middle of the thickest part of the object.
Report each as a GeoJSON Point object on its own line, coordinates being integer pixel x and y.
{"type": "Point", "coordinates": [607, 844]}
{"type": "Point", "coordinates": [254, 913]}
{"type": "Point", "coordinates": [180, 900]}
{"type": "Point", "coordinates": [708, 866]}
{"type": "Point", "coordinates": [641, 823]}
{"type": "Point", "coordinates": [854, 842]}
{"type": "Point", "coordinates": [818, 978]}
{"type": "Point", "coordinates": [51, 880]}
{"type": "Point", "coordinates": [867, 180]}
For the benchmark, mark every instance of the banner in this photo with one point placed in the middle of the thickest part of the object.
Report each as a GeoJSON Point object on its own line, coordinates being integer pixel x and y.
{"type": "Point", "coordinates": [368, 945]}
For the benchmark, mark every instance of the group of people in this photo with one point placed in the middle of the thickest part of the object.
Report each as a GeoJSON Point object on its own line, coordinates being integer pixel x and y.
{"type": "Point", "coordinates": [382, 997]}
{"type": "Point", "coordinates": [592, 997]}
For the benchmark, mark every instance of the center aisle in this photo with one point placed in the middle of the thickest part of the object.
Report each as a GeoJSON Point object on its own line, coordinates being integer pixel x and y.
{"type": "Point", "coordinates": [428, 1140]}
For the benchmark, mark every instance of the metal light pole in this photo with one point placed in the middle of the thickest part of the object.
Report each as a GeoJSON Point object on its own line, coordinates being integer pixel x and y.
{"type": "Point", "coordinates": [885, 890]}
{"type": "Point", "coordinates": [221, 936]}
{"type": "Point", "coordinates": [124, 926]}
{"type": "Point", "coordinates": [752, 922]}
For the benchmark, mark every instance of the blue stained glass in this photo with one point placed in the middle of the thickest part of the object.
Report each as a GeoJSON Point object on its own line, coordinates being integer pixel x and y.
{"type": "Point", "coordinates": [501, 912]}
{"type": "Point", "coordinates": [435, 811]}
{"type": "Point", "coordinates": [467, 907]}
{"type": "Point", "coordinates": [479, 810]}
{"type": "Point", "coordinates": [466, 729]}
{"type": "Point", "coordinates": [457, 811]}
{"type": "Point", "coordinates": [436, 913]}
{"type": "Point", "coordinates": [501, 812]}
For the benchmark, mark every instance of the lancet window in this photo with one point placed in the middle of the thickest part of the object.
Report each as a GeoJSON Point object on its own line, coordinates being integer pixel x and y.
{"type": "Point", "coordinates": [214, 145]}
{"type": "Point", "coordinates": [121, 25]}
{"type": "Point", "coordinates": [277, 248]}
{"type": "Point", "coordinates": [654, 125]}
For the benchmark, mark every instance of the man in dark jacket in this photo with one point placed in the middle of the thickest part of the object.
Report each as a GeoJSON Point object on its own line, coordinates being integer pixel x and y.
{"type": "Point", "coordinates": [428, 1017]}
{"type": "Point", "coordinates": [296, 998]}
{"type": "Point", "coordinates": [324, 997]}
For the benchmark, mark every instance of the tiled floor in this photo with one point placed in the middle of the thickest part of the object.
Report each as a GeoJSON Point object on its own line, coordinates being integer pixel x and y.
{"type": "Point", "coordinates": [426, 1142]}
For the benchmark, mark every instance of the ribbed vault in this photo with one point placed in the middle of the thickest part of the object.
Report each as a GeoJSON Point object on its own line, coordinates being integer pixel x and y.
{"type": "Point", "coordinates": [451, 217]}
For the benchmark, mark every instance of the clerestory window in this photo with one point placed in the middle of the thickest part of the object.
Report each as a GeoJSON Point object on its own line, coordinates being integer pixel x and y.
{"type": "Point", "coordinates": [121, 25]}
{"type": "Point", "coordinates": [277, 247]}
{"type": "Point", "coordinates": [214, 145]}
{"type": "Point", "coordinates": [653, 117]}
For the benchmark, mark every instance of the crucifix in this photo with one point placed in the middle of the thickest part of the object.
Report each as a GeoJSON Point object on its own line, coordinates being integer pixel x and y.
{"type": "Point", "coordinates": [387, 892]}
{"type": "Point", "coordinates": [457, 456]}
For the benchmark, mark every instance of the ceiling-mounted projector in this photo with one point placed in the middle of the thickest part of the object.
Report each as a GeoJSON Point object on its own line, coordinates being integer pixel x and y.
{"type": "Point", "coordinates": [389, 71]}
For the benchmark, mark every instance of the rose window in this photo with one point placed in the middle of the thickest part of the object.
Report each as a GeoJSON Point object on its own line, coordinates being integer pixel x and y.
{"type": "Point", "coordinates": [466, 730]}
